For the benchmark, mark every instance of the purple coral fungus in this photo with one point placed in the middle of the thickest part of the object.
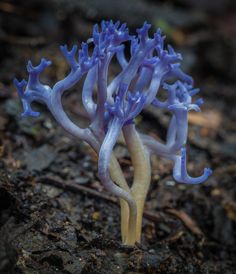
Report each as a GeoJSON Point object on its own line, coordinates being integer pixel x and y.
{"type": "Point", "coordinates": [149, 67]}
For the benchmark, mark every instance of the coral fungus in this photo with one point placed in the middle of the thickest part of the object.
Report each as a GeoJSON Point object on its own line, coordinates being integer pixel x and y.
{"type": "Point", "coordinates": [149, 67]}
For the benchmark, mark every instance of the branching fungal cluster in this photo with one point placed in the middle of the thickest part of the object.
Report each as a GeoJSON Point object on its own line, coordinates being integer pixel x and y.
{"type": "Point", "coordinates": [150, 67]}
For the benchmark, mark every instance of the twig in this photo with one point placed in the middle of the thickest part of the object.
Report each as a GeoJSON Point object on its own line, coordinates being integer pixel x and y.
{"type": "Point", "coordinates": [22, 40]}
{"type": "Point", "coordinates": [71, 186]}
{"type": "Point", "coordinates": [187, 220]}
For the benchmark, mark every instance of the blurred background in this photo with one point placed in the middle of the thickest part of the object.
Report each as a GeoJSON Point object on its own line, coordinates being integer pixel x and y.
{"type": "Point", "coordinates": [31, 150]}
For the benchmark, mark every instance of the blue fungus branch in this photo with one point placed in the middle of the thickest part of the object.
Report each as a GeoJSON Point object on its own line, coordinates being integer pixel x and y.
{"type": "Point", "coordinates": [150, 67]}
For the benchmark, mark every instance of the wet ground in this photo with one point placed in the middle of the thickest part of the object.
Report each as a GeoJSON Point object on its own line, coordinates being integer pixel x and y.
{"type": "Point", "coordinates": [55, 217]}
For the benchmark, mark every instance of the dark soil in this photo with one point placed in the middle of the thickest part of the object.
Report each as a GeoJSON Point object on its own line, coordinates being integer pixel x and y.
{"type": "Point", "coordinates": [55, 217]}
